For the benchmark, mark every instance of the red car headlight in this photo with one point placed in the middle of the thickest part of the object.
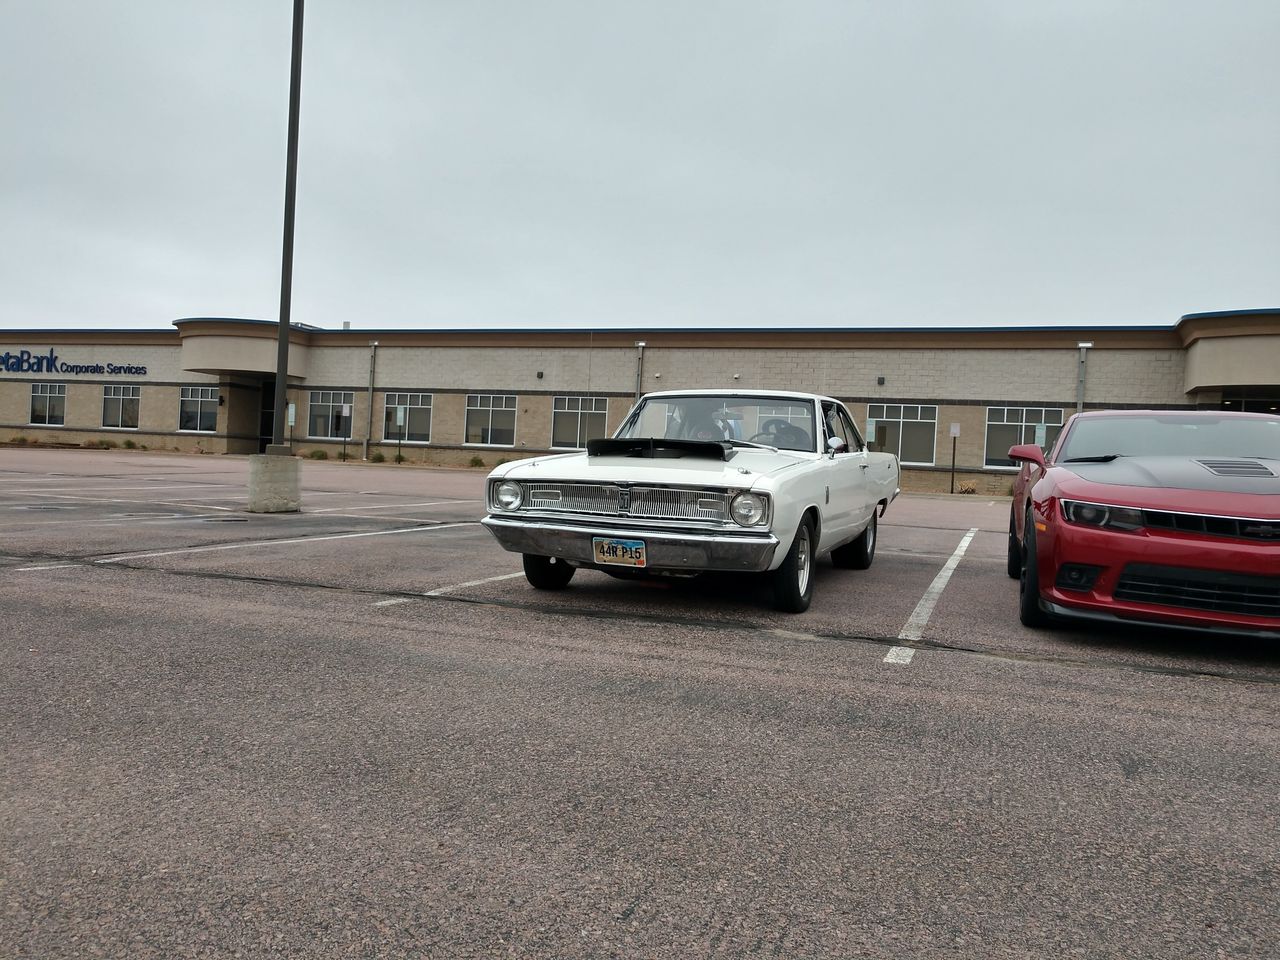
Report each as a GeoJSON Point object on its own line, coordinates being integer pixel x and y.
{"type": "Point", "coordinates": [1102, 515]}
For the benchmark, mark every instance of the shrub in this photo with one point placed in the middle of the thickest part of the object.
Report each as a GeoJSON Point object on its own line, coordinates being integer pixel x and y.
{"type": "Point", "coordinates": [130, 445]}
{"type": "Point", "coordinates": [502, 461]}
{"type": "Point", "coordinates": [965, 486]}
{"type": "Point", "coordinates": [142, 446]}
{"type": "Point", "coordinates": [318, 455]}
{"type": "Point", "coordinates": [19, 440]}
{"type": "Point", "coordinates": [377, 457]}
{"type": "Point", "coordinates": [401, 458]}
{"type": "Point", "coordinates": [476, 462]}
{"type": "Point", "coordinates": [343, 455]}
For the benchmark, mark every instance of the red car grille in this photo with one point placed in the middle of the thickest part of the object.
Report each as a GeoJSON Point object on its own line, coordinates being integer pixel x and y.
{"type": "Point", "coordinates": [1200, 589]}
{"type": "Point", "coordinates": [1237, 527]}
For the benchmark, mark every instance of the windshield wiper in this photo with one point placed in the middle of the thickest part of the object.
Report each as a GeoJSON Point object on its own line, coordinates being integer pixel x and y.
{"type": "Point", "coordinates": [1105, 458]}
{"type": "Point", "coordinates": [748, 443]}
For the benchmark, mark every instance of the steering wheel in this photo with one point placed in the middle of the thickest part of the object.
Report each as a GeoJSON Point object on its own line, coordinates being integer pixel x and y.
{"type": "Point", "coordinates": [776, 429]}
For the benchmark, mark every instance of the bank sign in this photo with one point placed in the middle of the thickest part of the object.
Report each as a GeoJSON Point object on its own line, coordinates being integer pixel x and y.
{"type": "Point", "coordinates": [24, 361]}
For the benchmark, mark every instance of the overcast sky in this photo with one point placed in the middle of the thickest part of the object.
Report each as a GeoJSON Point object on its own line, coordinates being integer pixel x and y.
{"type": "Point", "coordinates": [521, 164]}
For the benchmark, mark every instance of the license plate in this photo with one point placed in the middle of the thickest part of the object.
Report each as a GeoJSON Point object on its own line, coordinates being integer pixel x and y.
{"type": "Point", "coordinates": [627, 553]}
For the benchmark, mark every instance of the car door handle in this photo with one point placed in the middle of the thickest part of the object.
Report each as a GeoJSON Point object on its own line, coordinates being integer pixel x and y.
{"type": "Point", "coordinates": [864, 465]}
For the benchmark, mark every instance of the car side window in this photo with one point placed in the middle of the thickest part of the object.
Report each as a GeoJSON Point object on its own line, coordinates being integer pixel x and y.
{"type": "Point", "coordinates": [831, 423]}
{"type": "Point", "coordinates": [850, 431]}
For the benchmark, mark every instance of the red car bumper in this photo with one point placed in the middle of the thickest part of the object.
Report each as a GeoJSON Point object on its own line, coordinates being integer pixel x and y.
{"type": "Point", "coordinates": [1159, 577]}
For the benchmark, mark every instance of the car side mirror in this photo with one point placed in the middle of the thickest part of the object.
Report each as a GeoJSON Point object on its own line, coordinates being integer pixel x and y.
{"type": "Point", "coordinates": [836, 445]}
{"type": "Point", "coordinates": [1027, 452]}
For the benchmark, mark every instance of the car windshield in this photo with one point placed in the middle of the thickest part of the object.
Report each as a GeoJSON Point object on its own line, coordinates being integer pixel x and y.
{"type": "Point", "coordinates": [777, 422]}
{"type": "Point", "coordinates": [1172, 436]}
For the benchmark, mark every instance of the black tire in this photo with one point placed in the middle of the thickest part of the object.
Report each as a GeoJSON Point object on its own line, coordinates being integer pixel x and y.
{"type": "Point", "coordinates": [1029, 611]}
{"type": "Point", "coordinates": [793, 581]}
{"type": "Point", "coordinates": [1015, 551]}
{"type": "Point", "coordinates": [858, 554]}
{"type": "Point", "coordinates": [547, 573]}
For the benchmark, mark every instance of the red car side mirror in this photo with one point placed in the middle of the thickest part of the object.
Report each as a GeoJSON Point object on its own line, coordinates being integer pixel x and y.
{"type": "Point", "coordinates": [1027, 451]}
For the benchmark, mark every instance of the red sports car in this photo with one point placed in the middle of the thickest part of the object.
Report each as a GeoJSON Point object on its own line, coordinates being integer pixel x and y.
{"type": "Point", "coordinates": [1166, 518]}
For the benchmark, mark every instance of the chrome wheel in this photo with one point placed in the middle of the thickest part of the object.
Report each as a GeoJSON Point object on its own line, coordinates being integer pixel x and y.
{"type": "Point", "coordinates": [803, 558]}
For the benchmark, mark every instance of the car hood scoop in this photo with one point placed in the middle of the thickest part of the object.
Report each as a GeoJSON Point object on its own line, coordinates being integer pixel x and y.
{"type": "Point", "coordinates": [1182, 473]}
{"type": "Point", "coordinates": [658, 447]}
{"type": "Point", "coordinates": [1237, 468]}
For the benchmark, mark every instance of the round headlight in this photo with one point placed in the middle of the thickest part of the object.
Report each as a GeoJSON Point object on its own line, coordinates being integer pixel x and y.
{"type": "Point", "coordinates": [747, 509]}
{"type": "Point", "coordinates": [508, 495]}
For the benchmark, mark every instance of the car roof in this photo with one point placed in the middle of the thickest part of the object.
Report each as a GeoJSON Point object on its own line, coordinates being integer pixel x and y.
{"type": "Point", "coordinates": [739, 392]}
{"type": "Point", "coordinates": [1215, 414]}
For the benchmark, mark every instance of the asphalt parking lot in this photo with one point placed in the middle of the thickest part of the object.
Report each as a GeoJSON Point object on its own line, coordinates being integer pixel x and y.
{"type": "Point", "coordinates": [357, 731]}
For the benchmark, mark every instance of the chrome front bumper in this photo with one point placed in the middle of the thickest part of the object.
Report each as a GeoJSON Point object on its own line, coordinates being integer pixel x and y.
{"type": "Point", "coordinates": [664, 549]}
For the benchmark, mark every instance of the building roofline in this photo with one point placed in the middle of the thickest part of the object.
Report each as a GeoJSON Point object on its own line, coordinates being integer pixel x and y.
{"type": "Point", "coordinates": [1214, 314]}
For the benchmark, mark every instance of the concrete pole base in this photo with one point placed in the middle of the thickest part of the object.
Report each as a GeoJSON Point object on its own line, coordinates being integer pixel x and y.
{"type": "Point", "coordinates": [275, 482]}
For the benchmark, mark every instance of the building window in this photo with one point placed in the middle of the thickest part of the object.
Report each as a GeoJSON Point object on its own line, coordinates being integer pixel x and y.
{"type": "Point", "coordinates": [408, 417]}
{"type": "Point", "coordinates": [330, 414]}
{"type": "Point", "coordinates": [120, 407]}
{"type": "Point", "coordinates": [49, 404]}
{"type": "Point", "coordinates": [575, 420]}
{"type": "Point", "coordinates": [491, 419]}
{"type": "Point", "coordinates": [1009, 426]}
{"type": "Point", "coordinates": [198, 409]}
{"type": "Point", "coordinates": [907, 430]}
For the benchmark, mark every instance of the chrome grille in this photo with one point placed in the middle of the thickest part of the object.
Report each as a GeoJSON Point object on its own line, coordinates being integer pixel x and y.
{"type": "Point", "coordinates": [605, 499]}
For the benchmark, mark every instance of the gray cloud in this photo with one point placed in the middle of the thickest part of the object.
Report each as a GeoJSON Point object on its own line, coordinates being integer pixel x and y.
{"type": "Point", "coordinates": [659, 164]}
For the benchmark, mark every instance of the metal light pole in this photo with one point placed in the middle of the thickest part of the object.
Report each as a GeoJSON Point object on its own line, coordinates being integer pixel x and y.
{"type": "Point", "coordinates": [640, 344]}
{"type": "Point", "coordinates": [1083, 346]}
{"type": "Point", "coordinates": [286, 259]}
{"type": "Point", "coordinates": [274, 481]}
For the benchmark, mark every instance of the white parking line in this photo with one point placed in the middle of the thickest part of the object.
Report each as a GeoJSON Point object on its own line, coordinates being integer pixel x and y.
{"type": "Point", "coordinates": [171, 503]}
{"type": "Point", "coordinates": [919, 619]}
{"type": "Point", "coordinates": [395, 506]}
{"type": "Point", "coordinates": [900, 655]}
{"type": "Point", "coordinates": [381, 516]}
{"type": "Point", "coordinates": [471, 583]}
{"type": "Point", "coordinates": [277, 543]}
{"type": "Point", "coordinates": [119, 521]}
{"type": "Point", "coordinates": [392, 602]}
{"type": "Point", "coordinates": [107, 488]}
{"type": "Point", "coordinates": [50, 566]}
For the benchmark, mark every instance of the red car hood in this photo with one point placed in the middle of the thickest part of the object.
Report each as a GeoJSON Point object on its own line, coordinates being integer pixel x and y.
{"type": "Point", "coordinates": [1221, 486]}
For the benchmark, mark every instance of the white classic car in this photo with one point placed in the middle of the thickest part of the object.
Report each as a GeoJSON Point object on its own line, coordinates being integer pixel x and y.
{"type": "Point", "coordinates": [698, 480]}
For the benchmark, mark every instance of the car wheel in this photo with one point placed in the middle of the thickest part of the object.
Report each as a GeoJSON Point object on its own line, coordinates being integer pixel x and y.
{"type": "Point", "coordinates": [1029, 611]}
{"type": "Point", "coordinates": [858, 554]}
{"type": "Point", "coordinates": [793, 581]}
{"type": "Point", "coordinates": [1015, 551]}
{"type": "Point", "coordinates": [547, 573]}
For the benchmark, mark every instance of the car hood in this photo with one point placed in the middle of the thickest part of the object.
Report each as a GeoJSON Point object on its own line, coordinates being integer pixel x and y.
{"type": "Point", "coordinates": [743, 469]}
{"type": "Point", "coordinates": [1234, 486]}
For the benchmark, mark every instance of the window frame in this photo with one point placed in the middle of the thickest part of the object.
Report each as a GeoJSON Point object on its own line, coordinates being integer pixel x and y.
{"type": "Point", "coordinates": [515, 418]}
{"type": "Point", "coordinates": [57, 390]}
{"type": "Point", "coordinates": [1022, 425]}
{"type": "Point", "coordinates": [388, 406]}
{"type": "Point", "coordinates": [900, 420]}
{"type": "Point", "coordinates": [200, 402]}
{"type": "Point", "coordinates": [346, 397]}
{"type": "Point", "coordinates": [122, 392]}
{"type": "Point", "coordinates": [581, 414]}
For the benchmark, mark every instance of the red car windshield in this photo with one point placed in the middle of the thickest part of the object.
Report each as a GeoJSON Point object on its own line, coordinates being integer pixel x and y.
{"type": "Point", "coordinates": [1172, 435]}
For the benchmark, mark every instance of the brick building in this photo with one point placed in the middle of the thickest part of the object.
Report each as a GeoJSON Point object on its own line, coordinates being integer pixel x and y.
{"type": "Point", "coordinates": [470, 397]}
